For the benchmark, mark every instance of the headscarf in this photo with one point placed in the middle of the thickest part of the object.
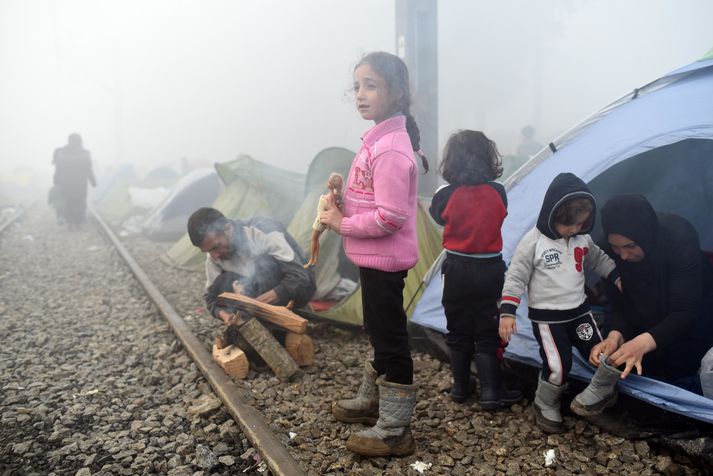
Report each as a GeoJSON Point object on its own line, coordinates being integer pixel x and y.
{"type": "Point", "coordinates": [632, 216]}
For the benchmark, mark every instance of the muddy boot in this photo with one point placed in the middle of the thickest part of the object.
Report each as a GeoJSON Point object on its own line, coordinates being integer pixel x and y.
{"type": "Point", "coordinates": [391, 436]}
{"type": "Point", "coordinates": [493, 394]}
{"type": "Point", "coordinates": [547, 406]}
{"type": "Point", "coordinates": [364, 407]}
{"type": "Point", "coordinates": [600, 393]}
{"type": "Point", "coordinates": [460, 368]}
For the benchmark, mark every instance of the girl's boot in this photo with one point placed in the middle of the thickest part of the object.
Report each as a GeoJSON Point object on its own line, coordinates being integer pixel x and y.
{"type": "Point", "coordinates": [364, 407]}
{"type": "Point", "coordinates": [391, 436]}
{"type": "Point", "coordinates": [547, 406]}
{"type": "Point", "coordinates": [601, 392]}
{"type": "Point", "coordinates": [493, 394]}
{"type": "Point", "coordinates": [460, 368]}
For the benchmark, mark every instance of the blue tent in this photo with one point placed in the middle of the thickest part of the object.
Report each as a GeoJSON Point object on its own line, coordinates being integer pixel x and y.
{"type": "Point", "coordinates": [657, 141]}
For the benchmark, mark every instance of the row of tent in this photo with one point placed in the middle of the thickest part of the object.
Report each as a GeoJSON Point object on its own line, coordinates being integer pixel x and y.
{"type": "Point", "coordinates": [657, 141]}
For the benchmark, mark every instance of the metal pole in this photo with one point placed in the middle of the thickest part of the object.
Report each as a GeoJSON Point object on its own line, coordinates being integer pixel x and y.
{"type": "Point", "coordinates": [417, 45]}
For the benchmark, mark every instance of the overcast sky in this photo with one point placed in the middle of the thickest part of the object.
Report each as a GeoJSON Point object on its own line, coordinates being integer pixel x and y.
{"type": "Point", "coordinates": [150, 82]}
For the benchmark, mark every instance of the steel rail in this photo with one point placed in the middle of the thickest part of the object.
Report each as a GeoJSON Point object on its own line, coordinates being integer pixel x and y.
{"type": "Point", "coordinates": [12, 219]}
{"type": "Point", "coordinates": [256, 429]}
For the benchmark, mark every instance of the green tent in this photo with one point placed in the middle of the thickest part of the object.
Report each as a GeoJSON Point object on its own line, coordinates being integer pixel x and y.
{"type": "Point", "coordinates": [254, 188]}
{"type": "Point", "coordinates": [349, 310]}
{"type": "Point", "coordinates": [115, 204]}
{"type": "Point", "coordinates": [332, 262]}
{"type": "Point", "coordinates": [251, 188]}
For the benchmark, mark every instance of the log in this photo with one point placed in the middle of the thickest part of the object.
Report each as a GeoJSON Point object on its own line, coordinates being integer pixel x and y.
{"type": "Point", "coordinates": [269, 349]}
{"type": "Point", "coordinates": [278, 315]}
{"type": "Point", "coordinates": [300, 347]}
{"type": "Point", "coordinates": [231, 359]}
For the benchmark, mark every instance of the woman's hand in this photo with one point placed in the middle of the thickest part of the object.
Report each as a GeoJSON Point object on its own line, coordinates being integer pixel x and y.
{"type": "Point", "coordinates": [607, 347]}
{"type": "Point", "coordinates": [631, 353]}
{"type": "Point", "coordinates": [331, 217]}
{"type": "Point", "coordinates": [507, 328]}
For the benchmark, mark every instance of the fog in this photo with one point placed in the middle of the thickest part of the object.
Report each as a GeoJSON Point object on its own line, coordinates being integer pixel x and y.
{"type": "Point", "coordinates": [152, 82]}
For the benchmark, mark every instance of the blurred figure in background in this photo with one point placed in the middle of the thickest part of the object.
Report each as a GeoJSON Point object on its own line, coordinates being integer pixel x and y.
{"type": "Point", "coordinates": [528, 145]}
{"type": "Point", "coordinates": [72, 170]}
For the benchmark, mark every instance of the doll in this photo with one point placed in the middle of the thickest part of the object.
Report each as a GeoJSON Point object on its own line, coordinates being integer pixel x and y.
{"type": "Point", "coordinates": [334, 197]}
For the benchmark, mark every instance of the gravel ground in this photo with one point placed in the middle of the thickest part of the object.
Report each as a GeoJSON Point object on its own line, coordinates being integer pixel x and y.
{"type": "Point", "coordinates": [93, 380]}
{"type": "Point", "coordinates": [96, 384]}
{"type": "Point", "coordinates": [452, 439]}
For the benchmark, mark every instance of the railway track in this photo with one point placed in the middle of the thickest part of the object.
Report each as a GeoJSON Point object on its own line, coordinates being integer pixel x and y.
{"type": "Point", "coordinates": [148, 390]}
{"type": "Point", "coordinates": [254, 426]}
{"type": "Point", "coordinates": [8, 222]}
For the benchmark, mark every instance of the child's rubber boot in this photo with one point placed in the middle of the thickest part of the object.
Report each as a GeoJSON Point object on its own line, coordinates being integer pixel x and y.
{"type": "Point", "coordinates": [364, 407]}
{"type": "Point", "coordinates": [391, 436]}
{"type": "Point", "coordinates": [547, 406]}
{"type": "Point", "coordinates": [493, 394]}
{"type": "Point", "coordinates": [460, 368]}
{"type": "Point", "coordinates": [601, 392]}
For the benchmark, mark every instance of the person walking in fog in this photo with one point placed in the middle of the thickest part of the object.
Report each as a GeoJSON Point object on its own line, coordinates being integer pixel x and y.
{"type": "Point", "coordinates": [73, 169]}
{"type": "Point", "coordinates": [472, 209]}
{"type": "Point", "coordinates": [379, 230]}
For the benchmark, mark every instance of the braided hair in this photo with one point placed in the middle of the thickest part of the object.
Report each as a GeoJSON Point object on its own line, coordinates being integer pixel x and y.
{"type": "Point", "coordinates": [395, 73]}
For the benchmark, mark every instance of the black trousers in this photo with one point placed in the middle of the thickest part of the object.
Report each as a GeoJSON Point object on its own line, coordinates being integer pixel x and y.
{"type": "Point", "coordinates": [471, 290]}
{"type": "Point", "coordinates": [556, 342]}
{"type": "Point", "coordinates": [382, 300]}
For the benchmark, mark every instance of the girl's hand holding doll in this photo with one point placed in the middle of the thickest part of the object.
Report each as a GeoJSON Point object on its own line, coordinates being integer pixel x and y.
{"type": "Point", "coordinates": [332, 217]}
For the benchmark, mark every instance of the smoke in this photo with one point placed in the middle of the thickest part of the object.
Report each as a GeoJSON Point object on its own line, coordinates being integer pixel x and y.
{"type": "Point", "coordinates": [164, 82]}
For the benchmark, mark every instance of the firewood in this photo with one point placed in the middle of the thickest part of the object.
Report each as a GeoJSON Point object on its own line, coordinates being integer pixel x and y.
{"type": "Point", "coordinates": [278, 315]}
{"type": "Point", "coordinates": [269, 349]}
{"type": "Point", "coordinates": [300, 347]}
{"type": "Point", "coordinates": [232, 359]}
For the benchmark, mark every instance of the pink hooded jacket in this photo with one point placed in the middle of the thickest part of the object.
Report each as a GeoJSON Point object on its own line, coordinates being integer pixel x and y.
{"type": "Point", "coordinates": [380, 200]}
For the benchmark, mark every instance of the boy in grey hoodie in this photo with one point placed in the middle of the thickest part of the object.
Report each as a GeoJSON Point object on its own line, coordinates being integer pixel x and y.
{"type": "Point", "coordinates": [550, 262]}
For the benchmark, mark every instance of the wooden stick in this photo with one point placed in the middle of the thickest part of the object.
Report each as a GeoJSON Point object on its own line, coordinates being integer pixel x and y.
{"type": "Point", "coordinates": [269, 349]}
{"type": "Point", "coordinates": [278, 315]}
{"type": "Point", "coordinates": [232, 359]}
{"type": "Point", "coordinates": [300, 347]}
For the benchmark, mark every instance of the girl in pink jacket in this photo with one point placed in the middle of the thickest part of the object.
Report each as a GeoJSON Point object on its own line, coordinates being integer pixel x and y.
{"type": "Point", "coordinates": [379, 230]}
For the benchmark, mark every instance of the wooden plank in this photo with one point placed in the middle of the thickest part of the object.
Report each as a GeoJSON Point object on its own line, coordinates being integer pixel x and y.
{"type": "Point", "coordinates": [300, 347]}
{"type": "Point", "coordinates": [233, 360]}
{"type": "Point", "coordinates": [278, 315]}
{"type": "Point", "coordinates": [269, 349]}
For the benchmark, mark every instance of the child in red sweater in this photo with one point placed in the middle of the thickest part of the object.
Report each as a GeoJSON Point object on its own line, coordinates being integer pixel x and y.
{"type": "Point", "coordinates": [472, 209]}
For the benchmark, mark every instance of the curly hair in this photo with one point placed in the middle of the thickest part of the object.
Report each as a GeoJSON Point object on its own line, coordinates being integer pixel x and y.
{"type": "Point", "coordinates": [470, 158]}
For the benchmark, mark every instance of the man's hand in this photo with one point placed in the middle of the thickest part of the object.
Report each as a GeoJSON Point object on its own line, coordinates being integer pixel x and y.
{"type": "Point", "coordinates": [331, 217]}
{"type": "Point", "coordinates": [225, 316]}
{"type": "Point", "coordinates": [507, 328]}
{"type": "Point", "coordinates": [631, 353]}
{"type": "Point", "coordinates": [268, 297]}
{"type": "Point", "coordinates": [606, 347]}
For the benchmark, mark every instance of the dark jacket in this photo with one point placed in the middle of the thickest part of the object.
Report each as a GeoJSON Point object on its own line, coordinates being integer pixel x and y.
{"type": "Point", "coordinates": [668, 294]}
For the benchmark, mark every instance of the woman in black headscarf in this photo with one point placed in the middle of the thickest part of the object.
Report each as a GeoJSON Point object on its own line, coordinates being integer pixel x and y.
{"type": "Point", "coordinates": [663, 323]}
